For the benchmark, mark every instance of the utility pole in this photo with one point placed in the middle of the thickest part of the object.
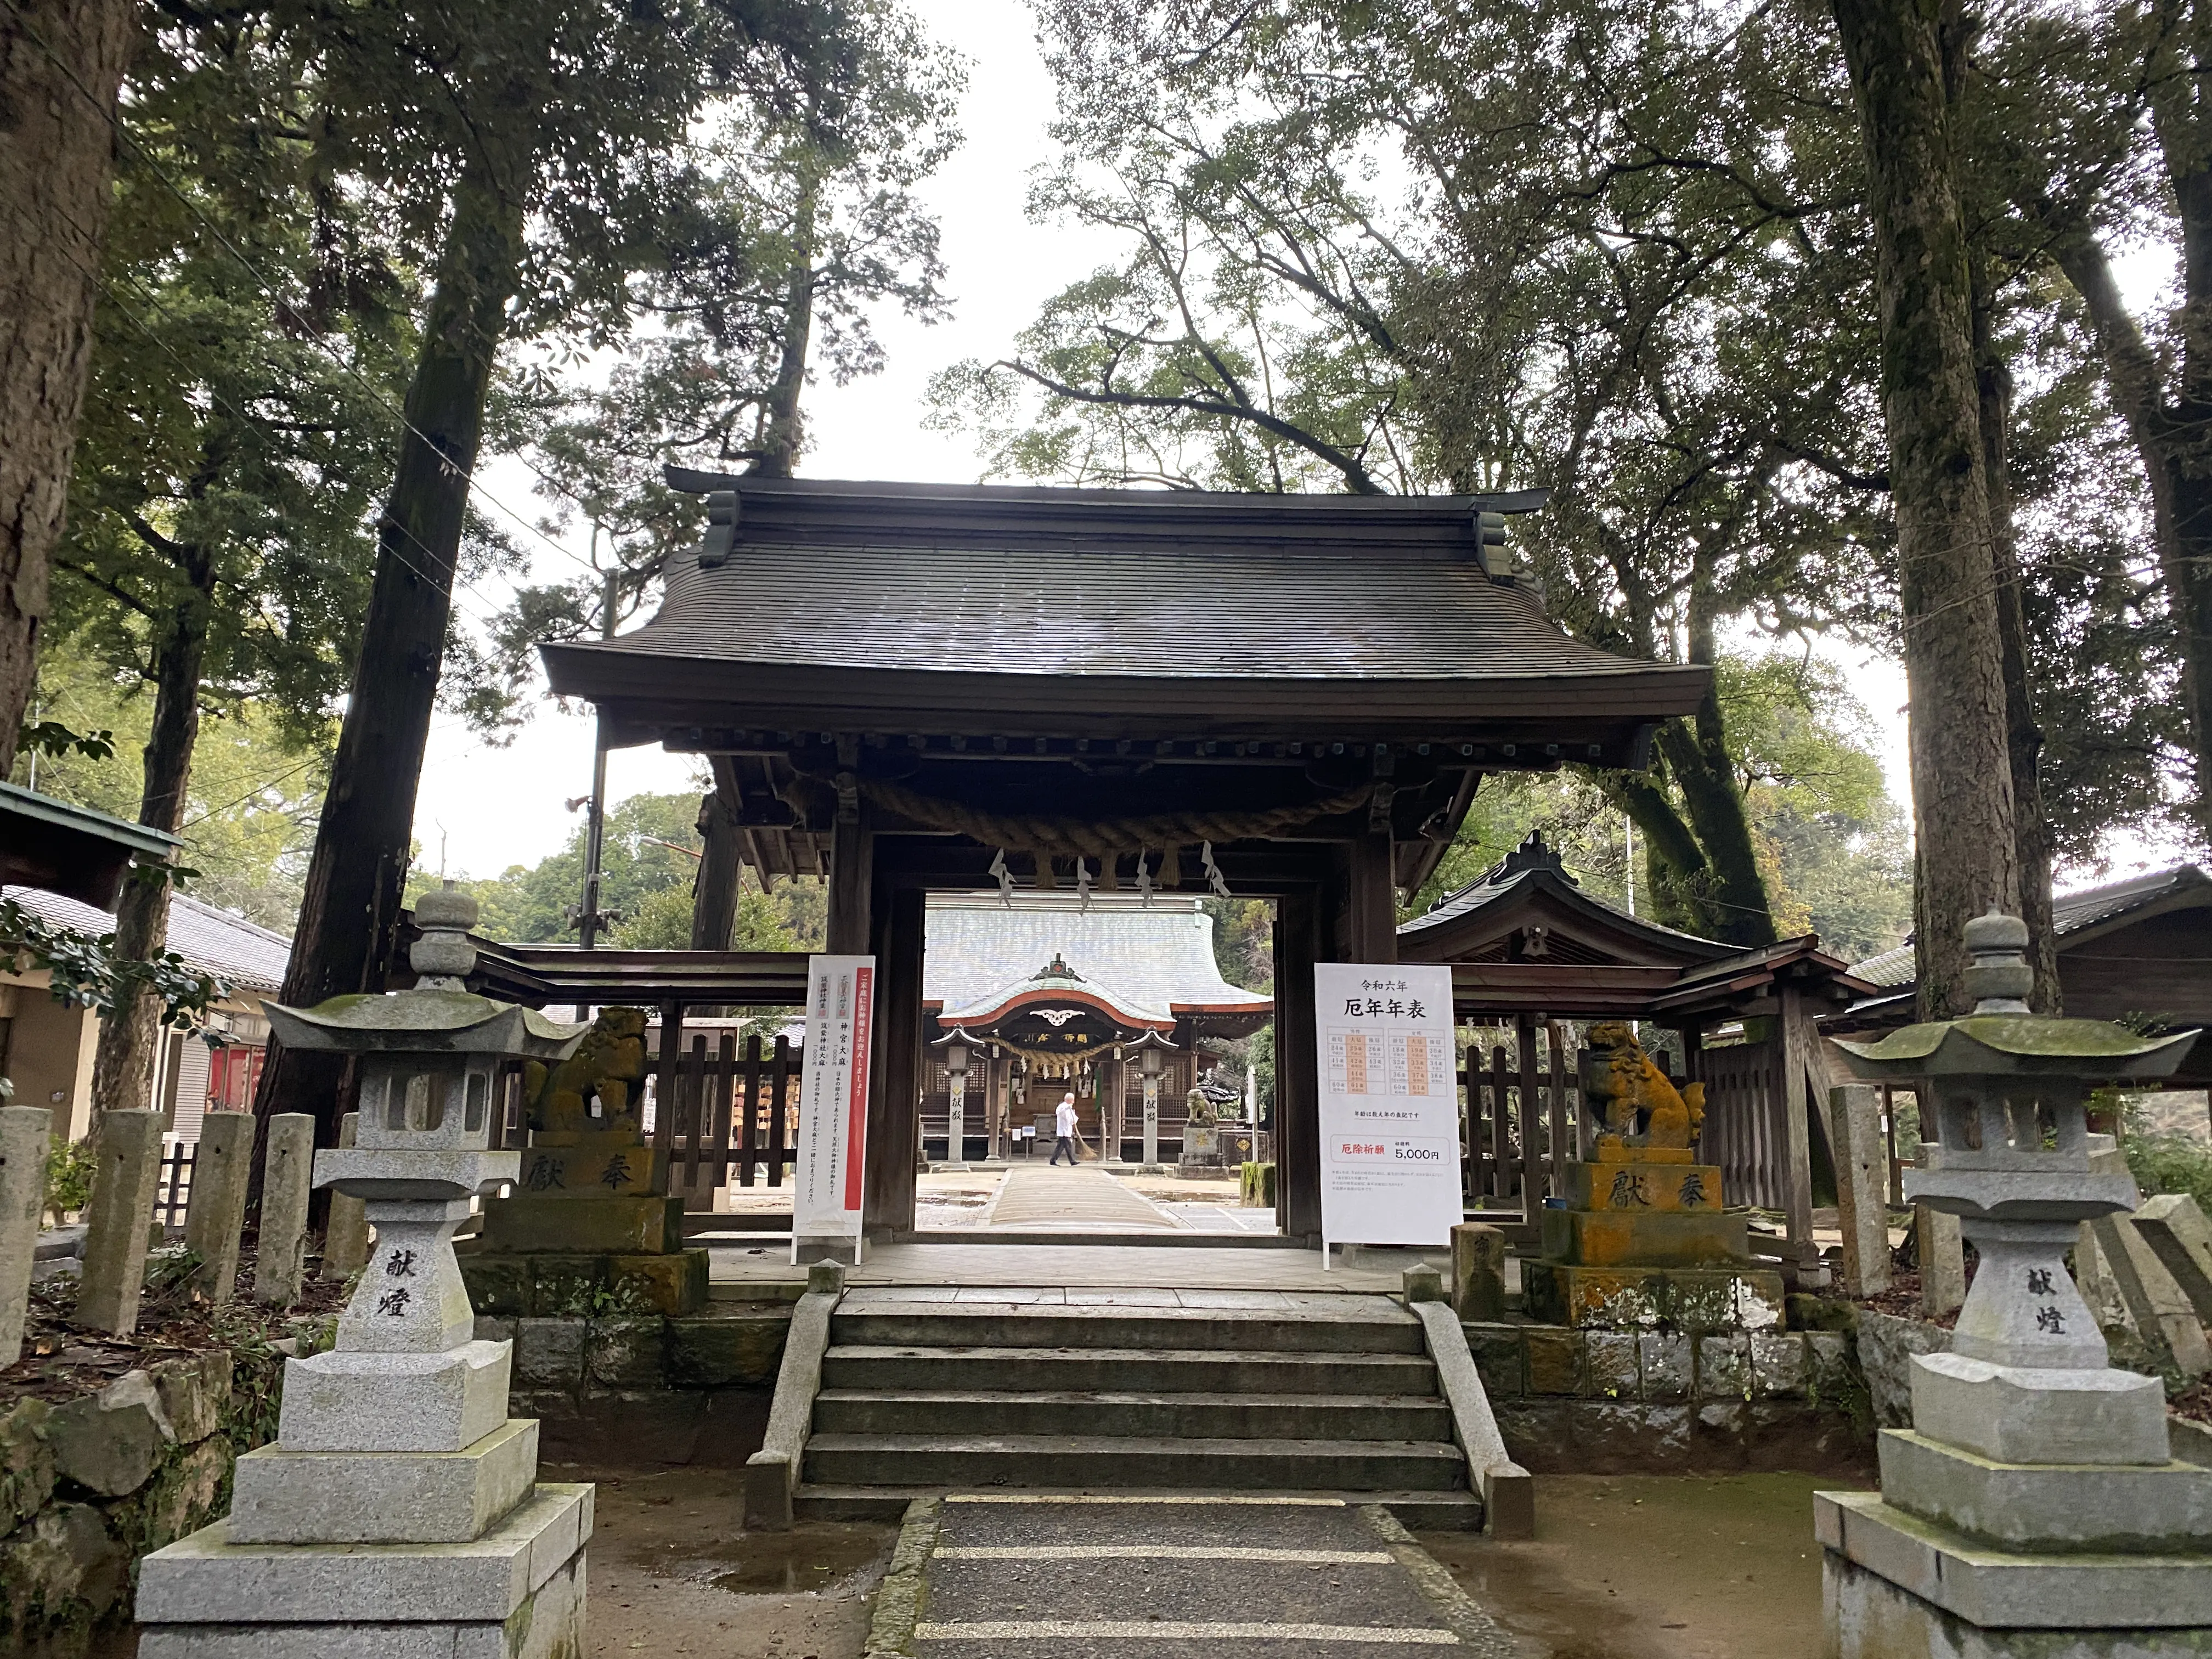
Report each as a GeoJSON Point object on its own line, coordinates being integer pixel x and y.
{"type": "Point", "coordinates": [595, 835]}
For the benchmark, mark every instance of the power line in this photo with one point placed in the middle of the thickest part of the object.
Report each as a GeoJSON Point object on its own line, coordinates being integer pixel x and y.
{"type": "Point", "coordinates": [270, 289]}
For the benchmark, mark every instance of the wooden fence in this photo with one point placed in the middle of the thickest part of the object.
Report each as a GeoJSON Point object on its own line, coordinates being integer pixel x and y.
{"type": "Point", "coordinates": [726, 1116]}
{"type": "Point", "coordinates": [1745, 1134]}
{"type": "Point", "coordinates": [173, 1193]}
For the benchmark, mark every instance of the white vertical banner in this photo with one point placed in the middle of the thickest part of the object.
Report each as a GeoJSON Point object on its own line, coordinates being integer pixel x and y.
{"type": "Point", "coordinates": [827, 1189]}
{"type": "Point", "coordinates": [1389, 1104]}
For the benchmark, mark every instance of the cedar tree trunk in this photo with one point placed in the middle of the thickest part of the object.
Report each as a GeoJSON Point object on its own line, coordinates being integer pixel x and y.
{"type": "Point", "coordinates": [1735, 897]}
{"type": "Point", "coordinates": [782, 430]}
{"type": "Point", "coordinates": [715, 889]}
{"type": "Point", "coordinates": [61, 64]}
{"type": "Point", "coordinates": [349, 922]}
{"type": "Point", "coordinates": [2023, 736]}
{"type": "Point", "coordinates": [130, 1037]}
{"type": "Point", "coordinates": [1962, 798]}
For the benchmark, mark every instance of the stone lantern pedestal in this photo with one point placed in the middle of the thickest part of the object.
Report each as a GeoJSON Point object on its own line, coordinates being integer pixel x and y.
{"type": "Point", "coordinates": [2034, 1507]}
{"type": "Point", "coordinates": [399, 1513]}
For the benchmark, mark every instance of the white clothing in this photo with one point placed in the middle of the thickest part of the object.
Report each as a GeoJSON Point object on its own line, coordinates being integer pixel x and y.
{"type": "Point", "coordinates": [1064, 1119]}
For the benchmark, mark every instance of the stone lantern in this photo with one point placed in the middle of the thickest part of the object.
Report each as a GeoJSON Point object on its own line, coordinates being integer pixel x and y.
{"type": "Point", "coordinates": [2036, 1490]}
{"type": "Point", "coordinates": [397, 1442]}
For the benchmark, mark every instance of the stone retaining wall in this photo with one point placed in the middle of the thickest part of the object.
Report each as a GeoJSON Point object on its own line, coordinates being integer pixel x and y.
{"type": "Point", "coordinates": [89, 1486]}
{"type": "Point", "coordinates": [645, 1388]}
{"type": "Point", "coordinates": [1629, 1402]}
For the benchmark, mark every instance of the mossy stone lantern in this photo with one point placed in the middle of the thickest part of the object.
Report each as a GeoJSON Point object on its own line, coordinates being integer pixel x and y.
{"type": "Point", "coordinates": [430, 1061]}
{"type": "Point", "coordinates": [2011, 1158]}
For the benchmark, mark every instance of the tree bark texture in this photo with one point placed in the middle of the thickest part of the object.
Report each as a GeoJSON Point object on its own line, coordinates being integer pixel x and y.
{"type": "Point", "coordinates": [715, 889]}
{"type": "Point", "coordinates": [349, 920]}
{"type": "Point", "coordinates": [2023, 735]}
{"type": "Point", "coordinates": [1735, 893]}
{"type": "Point", "coordinates": [131, 1038]}
{"type": "Point", "coordinates": [783, 431]}
{"type": "Point", "coordinates": [61, 64]}
{"type": "Point", "coordinates": [1962, 798]}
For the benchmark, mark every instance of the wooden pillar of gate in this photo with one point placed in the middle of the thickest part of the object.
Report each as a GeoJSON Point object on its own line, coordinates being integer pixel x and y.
{"type": "Point", "coordinates": [1298, 1086]}
{"type": "Point", "coordinates": [1791, 1035]}
{"type": "Point", "coordinates": [852, 868]}
{"type": "Point", "coordinates": [1370, 915]}
{"type": "Point", "coordinates": [895, 1075]}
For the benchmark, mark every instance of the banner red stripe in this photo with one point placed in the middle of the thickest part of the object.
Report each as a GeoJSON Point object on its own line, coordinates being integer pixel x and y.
{"type": "Point", "coordinates": [856, 1110]}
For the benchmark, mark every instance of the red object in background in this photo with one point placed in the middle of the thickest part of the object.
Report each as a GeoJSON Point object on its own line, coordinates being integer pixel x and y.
{"type": "Point", "coordinates": [233, 1073]}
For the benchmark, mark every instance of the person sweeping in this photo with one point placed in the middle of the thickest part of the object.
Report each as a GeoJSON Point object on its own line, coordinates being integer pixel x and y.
{"type": "Point", "coordinates": [1063, 1127]}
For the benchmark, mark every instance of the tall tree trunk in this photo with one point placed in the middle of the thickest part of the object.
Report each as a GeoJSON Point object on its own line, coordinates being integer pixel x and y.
{"type": "Point", "coordinates": [1676, 869]}
{"type": "Point", "coordinates": [2135, 384]}
{"type": "Point", "coordinates": [1735, 901]}
{"type": "Point", "coordinates": [783, 431]}
{"type": "Point", "coordinates": [715, 889]}
{"type": "Point", "coordinates": [2023, 736]}
{"type": "Point", "coordinates": [1962, 798]}
{"type": "Point", "coordinates": [349, 918]}
{"type": "Point", "coordinates": [61, 65]}
{"type": "Point", "coordinates": [130, 1037]}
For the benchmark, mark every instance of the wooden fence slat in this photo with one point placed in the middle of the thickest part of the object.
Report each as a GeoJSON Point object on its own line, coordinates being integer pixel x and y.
{"type": "Point", "coordinates": [1561, 1150]}
{"type": "Point", "coordinates": [778, 1104]}
{"type": "Point", "coordinates": [750, 1126]}
{"type": "Point", "coordinates": [663, 1089]}
{"type": "Point", "coordinates": [724, 1086]}
{"type": "Point", "coordinates": [1501, 1150]}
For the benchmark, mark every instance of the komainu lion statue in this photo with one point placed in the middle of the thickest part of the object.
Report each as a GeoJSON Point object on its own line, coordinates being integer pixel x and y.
{"type": "Point", "coordinates": [1624, 1090]}
{"type": "Point", "coordinates": [608, 1066]}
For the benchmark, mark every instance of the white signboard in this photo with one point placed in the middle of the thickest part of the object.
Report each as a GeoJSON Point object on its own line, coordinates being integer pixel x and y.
{"type": "Point", "coordinates": [833, 1099]}
{"type": "Point", "coordinates": [1389, 1104]}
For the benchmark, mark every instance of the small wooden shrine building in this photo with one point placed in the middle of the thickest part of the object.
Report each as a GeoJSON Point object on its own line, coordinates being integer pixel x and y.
{"type": "Point", "coordinates": [1530, 949]}
{"type": "Point", "coordinates": [934, 686]}
{"type": "Point", "coordinates": [1051, 994]}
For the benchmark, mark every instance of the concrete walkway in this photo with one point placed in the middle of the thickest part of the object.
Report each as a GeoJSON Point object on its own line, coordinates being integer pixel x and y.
{"type": "Point", "coordinates": [1088, 1200]}
{"type": "Point", "coordinates": [739, 1271]}
{"type": "Point", "coordinates": [1018, 1574]}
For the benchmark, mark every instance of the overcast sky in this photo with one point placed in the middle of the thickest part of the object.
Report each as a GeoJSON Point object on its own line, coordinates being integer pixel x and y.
{"type": "Point", "coordinates": [489, 807]}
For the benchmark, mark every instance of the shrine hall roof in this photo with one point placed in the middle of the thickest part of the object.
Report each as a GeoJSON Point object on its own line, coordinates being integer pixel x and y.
{"type": "Point", "coordinates": [1155, 963]}
{"type": "Point", "coordinates": [1133, 584]}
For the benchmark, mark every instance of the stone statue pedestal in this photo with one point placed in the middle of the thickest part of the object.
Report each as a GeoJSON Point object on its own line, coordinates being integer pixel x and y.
{"type": "Point", "coordinates": [1646, 1243]}
{"type": "Point", "coordinates": [592, 1210]}
{"type": "Point", "coordinates": [1643, 1241]}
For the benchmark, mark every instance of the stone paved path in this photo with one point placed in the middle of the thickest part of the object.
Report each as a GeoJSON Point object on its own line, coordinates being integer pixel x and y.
{"type": "Point", "coordinates": [1022, 1576]}
{"type": "Point", "coordinates": [1085, 1200]}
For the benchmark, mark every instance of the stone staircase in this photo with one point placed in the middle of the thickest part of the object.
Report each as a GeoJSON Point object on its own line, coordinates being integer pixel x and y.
{"type": "Point", "coordinates": [1336, 1396]}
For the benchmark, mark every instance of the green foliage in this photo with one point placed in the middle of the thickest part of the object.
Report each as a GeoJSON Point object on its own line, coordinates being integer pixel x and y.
{"type": "Point", "coordinates": [51, 737]}
{"type": "Point", "coordinates": [250, 808]}
{"type": "Point", "coordinates": [1833, 848]}
{"type": "Point", "coordinates": [2165, 1163]}
{"type": "Point", "coordinates": [69, 1166]}
{"type": "Point", "coordinates": [645, 878]}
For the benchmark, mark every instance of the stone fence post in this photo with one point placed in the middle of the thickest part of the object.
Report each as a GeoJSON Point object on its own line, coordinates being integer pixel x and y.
{"type": "Point", "coordinates": [280, 1261]}
{"type": "Point", "coordinates": [345, 1237]}
{"type": "Point", "coordinates": [121, 1213]}
{"type": "Point", "coordinates": [216, 1214]}
{"type": "Point", "coordinates": [23, 1131]}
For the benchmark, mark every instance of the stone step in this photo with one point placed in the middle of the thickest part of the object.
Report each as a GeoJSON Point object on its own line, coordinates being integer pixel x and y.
{"type": "Point", "coordinates": [1095, 1413]}
{"type": "Point", "coordinates": [891, 1368]}
{"type": "Point", "coordinates": [1384, 1328]}
{"type": "Point", "coordinates": [1123, 1464]}
{"type": "Point", "coordinates": [1455, 1511]}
